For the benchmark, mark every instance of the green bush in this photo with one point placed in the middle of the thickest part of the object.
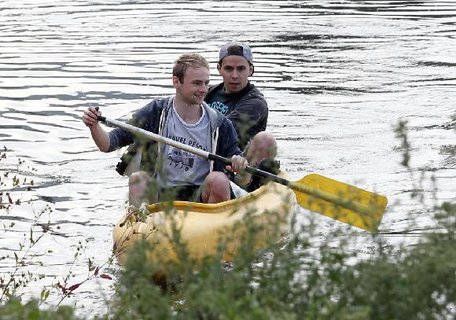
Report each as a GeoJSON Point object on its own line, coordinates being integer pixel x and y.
{"type": "Point", "coordinates": [289, 283]}
{"type": "Point", "coordinates": [14, 309]}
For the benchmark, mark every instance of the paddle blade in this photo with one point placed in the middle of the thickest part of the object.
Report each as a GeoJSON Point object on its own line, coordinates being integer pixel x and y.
{"type": "Point", "coordinates": [340, 201]}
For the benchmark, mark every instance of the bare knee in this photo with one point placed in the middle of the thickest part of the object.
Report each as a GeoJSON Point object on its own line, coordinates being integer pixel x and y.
{"type": "Point", "coordinates": [262, 146]}
{"type": "Point", "coordinates": [138, 183]}
{"type": "Point", "coordinates": [216, 188]}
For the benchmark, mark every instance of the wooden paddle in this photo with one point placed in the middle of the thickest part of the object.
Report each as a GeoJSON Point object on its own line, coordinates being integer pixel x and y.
{"type": "Point", "coordinates": [329, 197]}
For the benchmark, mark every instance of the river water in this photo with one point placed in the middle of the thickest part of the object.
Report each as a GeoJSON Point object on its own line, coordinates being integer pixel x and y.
{"type": "Point", "coordinates": [338, 76]}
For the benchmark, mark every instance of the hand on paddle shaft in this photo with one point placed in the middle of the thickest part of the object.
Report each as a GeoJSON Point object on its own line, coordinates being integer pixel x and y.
{"type": "Point", "coordinates": [337, 200]}
{"type": "Point", "coordinates": [238, 164]}
{"type": "Point", "coordinates": [90, 116]}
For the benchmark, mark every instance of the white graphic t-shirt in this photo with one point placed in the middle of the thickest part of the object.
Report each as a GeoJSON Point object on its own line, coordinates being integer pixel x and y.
{"type": "Point", "coordinates": [181, 167]}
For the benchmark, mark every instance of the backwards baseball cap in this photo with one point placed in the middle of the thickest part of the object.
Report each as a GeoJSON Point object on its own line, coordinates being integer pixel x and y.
{"type": "Point", "coordinates": [233, 48]}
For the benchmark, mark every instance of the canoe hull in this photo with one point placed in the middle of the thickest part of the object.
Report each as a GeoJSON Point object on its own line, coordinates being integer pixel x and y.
{"type": "Point", "coordinates": [203, 226]}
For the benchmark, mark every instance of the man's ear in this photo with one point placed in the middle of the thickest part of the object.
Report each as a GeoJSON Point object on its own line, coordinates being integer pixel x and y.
{"type": "Point", "coordinates": [252, 69]}
{"type": "Point", "coordinates": [176, 81]}
{"type": "Point", "coordinates": [219, 67]}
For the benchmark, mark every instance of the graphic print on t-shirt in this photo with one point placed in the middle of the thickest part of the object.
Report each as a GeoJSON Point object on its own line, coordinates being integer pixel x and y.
{"type": "Point", "coordinates": [223, 102]}
{"type": "Point", "coordinates": [181, 159]}
{"type": "Point", "coordinates": [220, 107]}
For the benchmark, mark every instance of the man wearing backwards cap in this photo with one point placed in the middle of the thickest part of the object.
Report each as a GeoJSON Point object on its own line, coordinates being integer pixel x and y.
{"type": "Point", "coordinates": [242, 103]}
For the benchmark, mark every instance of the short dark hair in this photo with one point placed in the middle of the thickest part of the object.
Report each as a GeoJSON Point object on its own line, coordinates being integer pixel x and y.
{"type": "Point", "coordinates": [192, 60]}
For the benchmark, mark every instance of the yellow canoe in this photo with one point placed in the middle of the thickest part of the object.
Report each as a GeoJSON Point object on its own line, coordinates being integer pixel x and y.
{"type": "Point", "coordinates": [203, 225]}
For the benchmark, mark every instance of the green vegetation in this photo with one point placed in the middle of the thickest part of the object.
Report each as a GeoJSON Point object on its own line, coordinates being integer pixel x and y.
{"type": "Point", "coordinates": [12, 283]}
{"type": "Point", "coordinates": [289, 282]}
{"type": "Point", "coordinates": [310, 276]}
{"type": "Point", "coordinates": [14, 309]}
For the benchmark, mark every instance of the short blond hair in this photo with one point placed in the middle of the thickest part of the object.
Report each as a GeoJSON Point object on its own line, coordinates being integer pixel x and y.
{"type": "Point", "coordinates": [188, 60]}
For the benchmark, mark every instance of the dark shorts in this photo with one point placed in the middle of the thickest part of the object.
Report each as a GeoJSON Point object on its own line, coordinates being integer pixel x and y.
{"type": "Point", "coordinates": [184, 193]}
{"type": "Point", "coordinates": [181, 193]}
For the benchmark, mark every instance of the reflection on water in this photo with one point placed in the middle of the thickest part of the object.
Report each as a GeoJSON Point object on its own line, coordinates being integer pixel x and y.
{"type": "Point", "coordinates": [337, 75]}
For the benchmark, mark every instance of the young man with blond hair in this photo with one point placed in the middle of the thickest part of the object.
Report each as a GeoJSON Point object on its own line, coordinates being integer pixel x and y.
{"type": "Point", "coordinates": [183, 117]}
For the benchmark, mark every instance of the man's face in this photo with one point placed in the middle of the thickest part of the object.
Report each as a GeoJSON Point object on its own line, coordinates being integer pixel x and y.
{"type": "Point", "coordinates": [235, 71]}
{"type": "Point", "coordinates": [195, 84]}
